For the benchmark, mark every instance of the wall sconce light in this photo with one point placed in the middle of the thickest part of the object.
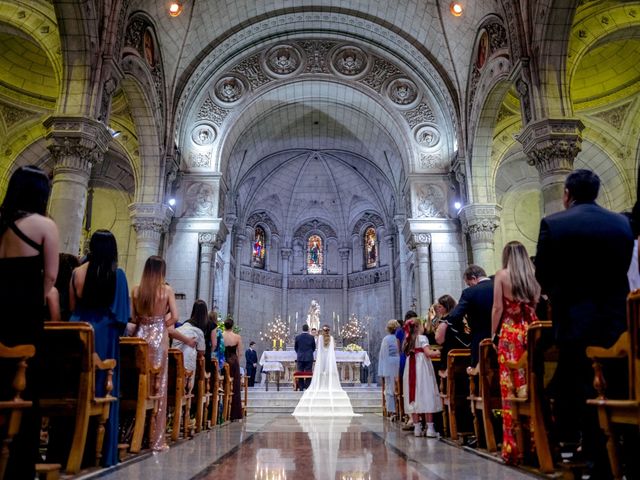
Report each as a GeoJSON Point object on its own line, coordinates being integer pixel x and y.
{"type": "Point", "coordinates": [456, 9]}
{"type": "Point", "coordinates": [114, 133]}
{"type": "Point", "coordinates": [175, 8]}
{"type": "Point", "coordinates": [172, 202]}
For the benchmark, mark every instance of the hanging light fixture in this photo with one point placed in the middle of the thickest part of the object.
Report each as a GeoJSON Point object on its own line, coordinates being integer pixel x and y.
{"type": "Point", "coordinates": [175, 8]}
{"type": "Point", "coordinates": [456, 9]}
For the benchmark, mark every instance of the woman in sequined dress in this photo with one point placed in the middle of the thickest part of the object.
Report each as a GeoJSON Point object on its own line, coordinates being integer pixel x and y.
{"type": "Point", "coordinates": [155, 311]}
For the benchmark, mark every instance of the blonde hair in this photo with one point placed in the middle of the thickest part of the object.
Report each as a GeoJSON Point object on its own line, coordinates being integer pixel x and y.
{"type": "Point", "coordinates": [392, 325]}
{"type": "Point", "coordinates": [151, 284]}
{"type": "Point", "coordinates": [524, 286]}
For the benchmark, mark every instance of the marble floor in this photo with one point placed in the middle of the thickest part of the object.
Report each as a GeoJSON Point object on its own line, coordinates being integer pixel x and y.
{"type": "Point", "coordinates": [279, 447]}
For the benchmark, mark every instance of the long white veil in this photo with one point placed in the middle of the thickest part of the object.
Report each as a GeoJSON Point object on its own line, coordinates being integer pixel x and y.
{"type": "Point", "coordinates": [325, 396]}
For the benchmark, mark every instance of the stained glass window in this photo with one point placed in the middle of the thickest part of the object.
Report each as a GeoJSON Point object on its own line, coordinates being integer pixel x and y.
{"type": "Point", "coordinates": [370, 248]}
{"type": "Point", "coordinates": [314, 254]}
{"type": "Point", "coordinates": [259, 248]}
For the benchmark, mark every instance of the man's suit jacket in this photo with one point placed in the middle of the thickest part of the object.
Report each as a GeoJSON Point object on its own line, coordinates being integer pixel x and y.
{"type": "Point", "coordinates": [476, 303]}
{"type": "Point", "coordinates": [251, 357]}
{"type": "Point", "coordinates": [304, 346]}
{"type": "Point", "coordinates": [581, 264]}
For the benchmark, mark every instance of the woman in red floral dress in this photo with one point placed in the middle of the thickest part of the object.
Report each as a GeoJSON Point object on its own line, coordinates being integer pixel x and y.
{"type": "Point", "coordinates": [515, 295]}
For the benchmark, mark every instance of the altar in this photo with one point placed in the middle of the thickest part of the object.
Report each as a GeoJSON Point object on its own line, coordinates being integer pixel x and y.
{"type": "Point", "coordinates": [284, 361]}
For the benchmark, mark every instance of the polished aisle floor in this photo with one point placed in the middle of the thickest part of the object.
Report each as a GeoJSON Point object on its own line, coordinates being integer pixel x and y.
{"type": "Point", "coordinates": [285, 447]}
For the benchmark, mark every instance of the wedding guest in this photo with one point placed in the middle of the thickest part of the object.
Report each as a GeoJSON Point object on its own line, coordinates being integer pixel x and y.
{"type": "Point", "coordinates": [389, 364]}
{"type": "Point", "coordinates": [58, 296]}
{"type": "Point", "coordinates": [28, 269]}
{"type": "Point", "coordinates": [448, 335]}
{"type": "Point", "coordinates": [251, 362]}
{"type": "Point", "coordinates": [99, 294]}
{"type": "Point", "coordinates": [151, 300]}
{"type": "Point", "coordinates": [421, 394]}
{"type": "Point", "coordinates": [193, 330]}
{"type": "Point", "coordinates": [304, 346]}
{"type": "Point", "coordinates": [515, 295]}
{"type": "Point", "coordinates": [217, 342]}
{"type": "Point", "coordinates": [232, 345]}
{"type": "Point", "coordinates": [586, 291]}
{"type": "Point", "coordinates": [475, 303]}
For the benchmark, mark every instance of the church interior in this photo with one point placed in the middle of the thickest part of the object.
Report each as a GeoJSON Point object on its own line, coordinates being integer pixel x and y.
{"type": "Point", "coordinates": [348, 156]}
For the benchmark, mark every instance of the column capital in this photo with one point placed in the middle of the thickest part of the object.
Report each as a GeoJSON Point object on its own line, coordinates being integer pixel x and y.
{"type": "Point", "coordinates": [417, 241]}
{"type": "Point", "coordinates": [344, 253]}
{"type": "Point", "coordinates": [150, 219]}
{"type": "Point", "coordinates": [552, 144]}
{"type": "Point", "coordinates": [480, 221]}
{"type": "Point", "coordinates": [286, 253]}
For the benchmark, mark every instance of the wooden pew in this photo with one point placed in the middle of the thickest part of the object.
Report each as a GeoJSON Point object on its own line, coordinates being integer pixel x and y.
{"type": "Point", "coordinates": [484, 393]}
{"type": "Point", "coordinates": [399, 398]}
{"type": "Point", "coordinates": [626, 410]}
{"type": "Point", "coordinates": [539, 356]}
{"type": "Point", "coordinates": [454, 390]}
{"type": "Point", "coordinates": [179, 393]}
{"type": "Point", "coordinates": [214, 382]}
{"type": "Point", "coordinates": [245, 397]}
{"type": "Point", "coordinates": [139, 387]}
{"type": "Point", "coordinates": [69, 375]}
{"type": "Point", "coordinates": [227, 392]}
{"type": "Point", "coordinates": [203, 393]}
{"type": "Point", "coordinates": [14, 381]}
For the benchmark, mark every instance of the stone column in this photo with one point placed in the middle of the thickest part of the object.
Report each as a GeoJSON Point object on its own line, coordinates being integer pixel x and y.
{"type": "Point", "coordinates": [552, 146]}
{"type": "Point", "coordinates": [240, 239]}
{"type": "Point", "coordinates": [480, 221]}
{"type": "Point", "coordinates": [150, 221]}
{"type": "Point", "coordinates": [75, 143]}
{"type": "Point", "coordinates": [344, 256]}
{"type": "Point", "coordinates": [405, 291]}
{"type": "Point", "coordinates": [207, 242]}
{"type": "Point", "coordinates": [390, 241]}
{"type": "Point", "coordinates": [286, 253]}
{"type": "Point", "coordinates": [420, 243]}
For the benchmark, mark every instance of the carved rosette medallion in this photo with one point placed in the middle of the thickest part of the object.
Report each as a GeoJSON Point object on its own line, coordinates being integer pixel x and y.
{"type": "Point", "coordinates": [203, 135]}
{"type": "Point", "coordinates": [205, 237]}
{"type": "Point", "coordinates": [402, 91]}
{"type": "Point", "coordinates": [349, 61]}
{"type": "Point", "coordinates": [283, 60]}
{"type": "Point", "coordinates": [427, 136]}
{"type": "Point", "coordinates": [229, 89]}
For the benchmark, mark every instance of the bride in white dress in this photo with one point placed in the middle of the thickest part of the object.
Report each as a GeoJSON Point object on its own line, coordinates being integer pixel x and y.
{"type": "Point", "coordinates": [325, 396]}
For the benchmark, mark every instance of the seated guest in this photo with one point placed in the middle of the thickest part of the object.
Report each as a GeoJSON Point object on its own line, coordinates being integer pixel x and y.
{"type": "Point", "coordinates": [100, 295]}
{"type": "Point", "coordinates": [193, 330]}
{"type": "Point", "coordinates": [28, 269]}
{"type": "Point", "coordinates": [389, 364]}
{"type": "Point", "coordinates": [475, 303]}
{"type": "Point", "coordinates": [447, 334]}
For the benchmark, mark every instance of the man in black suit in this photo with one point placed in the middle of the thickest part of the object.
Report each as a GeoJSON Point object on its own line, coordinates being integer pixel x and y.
{"type": "Point", "coordinates": [251, 358]}
{"type": "Point", "coordinates": [476, 303]}
{"type": "Point", "coordinates": [304, 346]}
{"type": "Point", "coordinates": [581, 263]}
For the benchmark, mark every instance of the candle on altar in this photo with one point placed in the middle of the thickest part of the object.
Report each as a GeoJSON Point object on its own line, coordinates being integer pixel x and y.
{"type": "Point", "coordinates": [334, 321]}
{"type": "Point", "coordinates": [280, 344]}
{"type": "Point", "coordinates": [274, 343]}
{"type": "Point", "coordinates": [338, 324]}
{"type": "Point", "coordinates": [296, 322]}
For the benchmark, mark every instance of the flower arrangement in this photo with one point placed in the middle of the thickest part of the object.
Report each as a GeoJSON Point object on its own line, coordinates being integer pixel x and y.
{"type": "Point", "coordinates": [353, 331]}
{"type": "Point", "coordinates": [352, 347]}
{"type": "Point", "coordinates": [277, 333]}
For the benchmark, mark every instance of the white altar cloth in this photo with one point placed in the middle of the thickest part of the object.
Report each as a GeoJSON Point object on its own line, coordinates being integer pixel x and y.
{"type": "Point", "coordinates": [290, 356]}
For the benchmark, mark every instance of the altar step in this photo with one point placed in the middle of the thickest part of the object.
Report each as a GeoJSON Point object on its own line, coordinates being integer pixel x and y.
{"type": "Point", "coordinates": [363, 399]}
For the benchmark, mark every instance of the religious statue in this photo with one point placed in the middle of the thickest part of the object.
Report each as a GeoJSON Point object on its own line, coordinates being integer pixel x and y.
{"type": "Point", "coordinates": [313, 317]}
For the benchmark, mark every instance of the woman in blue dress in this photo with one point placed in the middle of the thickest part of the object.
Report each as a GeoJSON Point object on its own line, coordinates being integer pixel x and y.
{"type": "Point", "coordinates": [100, 295]}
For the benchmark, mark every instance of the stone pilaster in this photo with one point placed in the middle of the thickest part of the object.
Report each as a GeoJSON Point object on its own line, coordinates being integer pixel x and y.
{"type": "Point", "coordinates": [150, 221]}
{"type": "Point", "coordinates": [209, 245]}
{"type": "Point", "coordinates": [480, 222]}
{"type": "Point", "coordinates": [420, 243]}
{"type": "Point", "coordinates": [286, 254]}
{"type": "Point", "coordinates": [391, 242]}
{"type": "Point", "coordinates": [240, 240]}
{"type": "Point", "coordinates": [344, 257]}
{"type": "Point", "coordinates": [75, 144]}
{"type": "Point", "coordinates": [552, 145]}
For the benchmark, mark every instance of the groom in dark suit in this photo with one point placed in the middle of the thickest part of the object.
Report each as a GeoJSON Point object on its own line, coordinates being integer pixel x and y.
{"type": "Point", "coordinates": [251, 358]}
{"type": "Point", "coordinates": [581, 263]}
{"type": "Point", "coordinates": [305, 345]}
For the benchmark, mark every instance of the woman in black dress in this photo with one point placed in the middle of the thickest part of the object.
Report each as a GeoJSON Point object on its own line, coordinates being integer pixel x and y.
{"type": "Point", "coordinates": [233, 345]}
{"type": "Point", "coordinates": [28, 270]}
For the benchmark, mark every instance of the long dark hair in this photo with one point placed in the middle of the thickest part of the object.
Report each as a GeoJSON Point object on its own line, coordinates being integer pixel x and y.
{"type": "Point", "coordinates": [67, 264]}
{"type": "Point", "coordinates": [100, 283]}
{"type": "Point", "coordinates": [200, 316]}
{"type": "Point", "coordinates": [153, 279]}
{"type": "Point", "coordinates": [27, 192]}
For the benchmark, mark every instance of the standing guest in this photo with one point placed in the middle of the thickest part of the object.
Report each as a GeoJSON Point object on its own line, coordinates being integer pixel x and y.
{"type": "Point", "coordinates": [476, 303]}
{"type": "Point", "coordinates": [389, 364]}
{"type": "Point", "coordinates": [400, 334]}
{"type": "Point", "coordinates": [233, 344]}
{"type": "Point", "coordinates": [28, 270]}
{"type": "Point", "coordinates": [515, 295]}
{"type": "Point", "coordinates": [100, 295]}
{"type": "Point", "coordinates": [314, 332]}
{"type": "Point", "coordinates": [251, 359]}
{"type": "Point", "coordinates": [582, 260]}
{"type": "Point", "coordinates": [58, 296]}
{"type": "Point", "coordinates": [304, 346]}
{"type": "Point", "coordinates": [447, 334]}
{"type": "Point", "coordinates": [192, 330]}
{"type": "Point", "coordinates": [217, 342]}
{"type": "Point", "coordinates": [421, 394]}
{"type": "Point", "coordinates": [154, 311]}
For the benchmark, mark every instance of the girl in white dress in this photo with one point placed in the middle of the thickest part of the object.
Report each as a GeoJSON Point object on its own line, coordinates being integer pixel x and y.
{"type": "Point", "coordinates": [421, 395]}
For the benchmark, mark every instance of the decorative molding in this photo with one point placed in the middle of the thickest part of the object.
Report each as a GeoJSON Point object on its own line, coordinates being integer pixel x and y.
{"type": "Point", "coordinates": [210, 111]}
{"type": "Point", "coordinates": [317, 52]}
{"type": "Point", "coordinates": [283, 60]}
{"type": "Point", "coordinates": [615, 116]}
{"type": "Point", "coordinates": [199, 198]}
{"type": "Point", "coordinates": [430, 201]}
{"type": "Point", "coordinates": [368, 277]}
{"type": "Point", "coordinates": [203, 134]}
{"type": "Point", "coordinates": [480, 221]}
{"type": "Point", "coordinates": [422, 113]}
{"type": "Point", "coordinates": [402, 92]}
{"type": "Point", "coordinates": [316, 282]}
{"type": "Point", "coordinates": [261, 277]}
{"type": "Point", "coordinates": [251, 69]}
{"type": "Point", "coordinates": [349, 61]}
{"type": "Point", "coordinates": [13, 115]}
{"type": "Point", "coordinates": [503, 114]}
{"type": "Point", "coordinates": [366, 219]}
{"type": "Point", "coordinates": [264, 218]}
{"type": "Point", "coordinates": [200, 159]}
{"type": "Point", "coordinates": [229, 89]}
{"type": "Point", "coordinates": [427, 136]}
{"type": "Point", "coordinates": [314, 226]}
{"type": "Point", "coordinates": [205, 237]}
{"type": "Point", "coordinates": [379, 73]}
